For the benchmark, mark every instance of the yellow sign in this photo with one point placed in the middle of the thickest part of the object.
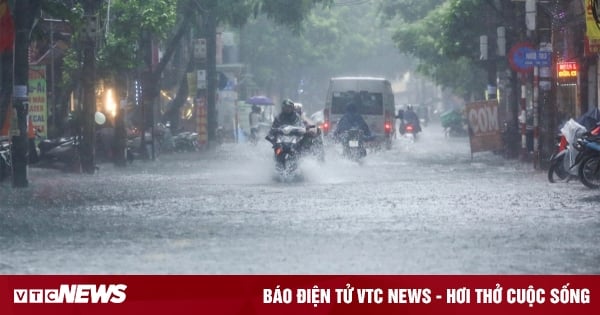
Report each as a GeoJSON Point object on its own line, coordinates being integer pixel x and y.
{"type": "Point", "coordinates": [592, 30]}
{"type": "Point", "coordinates": [38, 103]}
{"type": "Point", "coordinates": [566, 70]}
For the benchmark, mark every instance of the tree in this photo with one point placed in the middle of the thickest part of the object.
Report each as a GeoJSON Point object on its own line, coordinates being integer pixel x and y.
{"type": "Point", "coordinates": [23, 23]}
{"type": "Point", "coordinates": [155, 19]}
{"type": "Point", "coordinates": [443, 35]}
{"type": "Point", "coordinates": [339, 40]}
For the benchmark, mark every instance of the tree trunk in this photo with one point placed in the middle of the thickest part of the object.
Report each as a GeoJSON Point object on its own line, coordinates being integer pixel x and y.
{"type": "Point", "coordinates": [21, 82]}
{"type": "Point", "coordinates": [211, 76]}
{"type": "Point", "coordinates": [6, 84]}
{"type": "Point", "coordinates": [88, 140]}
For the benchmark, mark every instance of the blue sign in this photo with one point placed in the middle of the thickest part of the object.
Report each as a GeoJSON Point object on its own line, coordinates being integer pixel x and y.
{"type": "Point", "coordinates": [538, 58]}
{"type": "Point", "coordinates": [517, 57]}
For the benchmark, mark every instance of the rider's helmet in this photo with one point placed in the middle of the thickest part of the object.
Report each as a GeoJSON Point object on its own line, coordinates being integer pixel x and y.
{"type": "Point", "coordinates": [287, 106]}
{"type": "Point", "coordinates": [298, 108]}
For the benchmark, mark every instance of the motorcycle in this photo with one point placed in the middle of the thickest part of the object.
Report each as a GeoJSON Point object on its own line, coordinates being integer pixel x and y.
{"type": "Point", "coordinates": [557, 170]}
{"type": "Point", "coordinates": [410, 132]}
{"type": "Point", "coordinates": [588, 160]}
{"type": "Point", "coordinates": [186, 141]}
{"type": "Point", "coordinates": [63, 151]}
{"type": "Point", "coordinates": [286, 147]}
{"type": "Point", "coordinates": [564, 163]}
{"type": "Point", "coordinates": [353, 143]}
{"type": "Point", "coordinates": [5, 159]}
{"type": "Point", "coordinates": [153, 142]}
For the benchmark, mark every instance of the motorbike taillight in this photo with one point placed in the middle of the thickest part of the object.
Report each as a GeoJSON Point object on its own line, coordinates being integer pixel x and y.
{"type": "Point", "coordinates": [409, 128]}
{"type": "Point", "coordinates": [595, 131]}
{"type": "Point", "coordinates": [325, 126]}
{"type": "Point", "coordinates": [562, 143]}
{"type": "Point", "coordinates": [388, 127]}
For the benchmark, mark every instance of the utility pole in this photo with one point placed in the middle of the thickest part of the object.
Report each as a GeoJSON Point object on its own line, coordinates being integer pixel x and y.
{"type": "Point", "coordinates": [87, 152]}
{"type": "Point", "coordinates": [211, 75]}
{"type": "Point", "coordinates": [20, 98]}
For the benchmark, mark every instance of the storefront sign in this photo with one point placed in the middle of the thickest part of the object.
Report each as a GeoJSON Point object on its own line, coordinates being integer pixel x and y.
{"type": "Point", "coordinates": [38, 102]}
{"type": "Point", "coordinates": [484, 126]}
{"type": "Point", "coordinates": [566, 70]}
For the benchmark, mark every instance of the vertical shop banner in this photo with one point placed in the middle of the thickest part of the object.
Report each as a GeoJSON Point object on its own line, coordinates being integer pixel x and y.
{"type": "Point", "coordinates": [202, 120]}
{"type": "Point", "coordinates": [484, 126]}
{"type": "Point", "coordinates": [592, 33]}
{"type": "Point", "coordinates": [38, 101]}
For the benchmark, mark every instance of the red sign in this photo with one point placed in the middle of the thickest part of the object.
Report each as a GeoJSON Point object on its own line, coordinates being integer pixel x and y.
{"type": "Point", "coordinates": [566, 70]}
{"type": "Point", "coordinates": [202, 120]}
{"type": "Point", "coordinates": [290, 295]}
{"type": "Point", "coordinates": [517, 57]}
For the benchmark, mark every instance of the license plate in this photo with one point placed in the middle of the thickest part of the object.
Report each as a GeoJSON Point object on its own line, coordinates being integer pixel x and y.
{"type": "Point", "coordinates": [353, 143]}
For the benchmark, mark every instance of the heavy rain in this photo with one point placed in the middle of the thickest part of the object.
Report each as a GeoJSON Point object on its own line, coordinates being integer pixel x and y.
{"type": "Point", "coordinates": [180, 180]}
{"type": "Point", "coordinates": [421, 208]}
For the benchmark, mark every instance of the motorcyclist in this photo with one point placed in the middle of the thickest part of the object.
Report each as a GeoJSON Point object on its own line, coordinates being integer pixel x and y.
{"type": "Point", "coordinates": [412, 118]}
{"type": "Point", "coordinates": [288, 116]}
{"type": "Point", "coordinates": [400, 118]}
{"type": "Point", "coordinates": [351, 119]}
{"type": "Point", "coordinates": [312, 140]}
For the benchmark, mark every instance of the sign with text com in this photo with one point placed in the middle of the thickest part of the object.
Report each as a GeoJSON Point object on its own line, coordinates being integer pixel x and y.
{"type": "Point", "coordinates": [484, 126]}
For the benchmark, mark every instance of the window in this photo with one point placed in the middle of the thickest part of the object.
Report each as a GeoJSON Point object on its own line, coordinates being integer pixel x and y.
{"type": "Point", "coordinates": [366, 103]}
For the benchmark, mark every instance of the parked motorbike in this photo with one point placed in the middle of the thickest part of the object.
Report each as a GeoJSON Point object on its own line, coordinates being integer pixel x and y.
{"type": "Point", "coordinates": [60, 152]}
{"type": "Point", "coordinates": [588, 160]}
{"type": "Point", "coordinates": [564, 163]}
{"type": "Point", "coordinates": [286, 146]}
{"type": "Point", "coordinates": [353, 143]}
{"type": "Point", "coordinates": [5, 159]}
{"type": "Point", "coordinates": [186, 141]}
{"type": "Point", "coordinates": [159, 138]}
{"type": "Point", "coordinates": [557, 170]}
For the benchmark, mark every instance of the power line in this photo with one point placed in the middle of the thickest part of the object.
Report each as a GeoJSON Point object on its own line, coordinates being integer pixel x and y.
{"type": "Point", "coordinates": [351, 3]}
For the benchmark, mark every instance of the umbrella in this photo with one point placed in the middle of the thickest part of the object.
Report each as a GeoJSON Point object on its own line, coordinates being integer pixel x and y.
{"type": "Point", "coordinates": [259, 100]}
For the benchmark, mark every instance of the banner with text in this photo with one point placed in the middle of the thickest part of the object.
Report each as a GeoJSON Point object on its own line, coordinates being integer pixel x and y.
{"type": "Point", "coordinates": [38, 101]}
{"type": "Point", "coordinates": [484, 126]}
{"type": "Point", "coordinates": [323, 294]}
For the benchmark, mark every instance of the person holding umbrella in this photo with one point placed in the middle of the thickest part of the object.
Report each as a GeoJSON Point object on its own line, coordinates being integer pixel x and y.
{"type": "Point", "coordinates": [254, 119]}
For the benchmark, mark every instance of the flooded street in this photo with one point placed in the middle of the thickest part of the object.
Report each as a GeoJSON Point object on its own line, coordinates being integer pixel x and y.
{"type": "Point", "coordinates": [419, 208]}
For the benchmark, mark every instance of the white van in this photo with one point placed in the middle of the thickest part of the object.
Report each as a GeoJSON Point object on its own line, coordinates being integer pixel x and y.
{"type": "Point", "coordinates": [374, 100]}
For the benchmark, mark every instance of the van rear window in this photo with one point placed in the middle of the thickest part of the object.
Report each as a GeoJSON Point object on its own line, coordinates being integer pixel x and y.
{"type": "Point", "coordinates": [367, 103]}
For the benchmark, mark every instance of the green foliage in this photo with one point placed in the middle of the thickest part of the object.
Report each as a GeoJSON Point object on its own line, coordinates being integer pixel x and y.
{"type": "Point", "coordinates": [128, 20]}
{"type": "Point", "coordinates": [444, 36]}
{"type": "Point", "coordinates": [409, 11]}
{"type": "Point", "coordinates": [341, 40]}
{"type": "Point", "coordinates": [290, 13]}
